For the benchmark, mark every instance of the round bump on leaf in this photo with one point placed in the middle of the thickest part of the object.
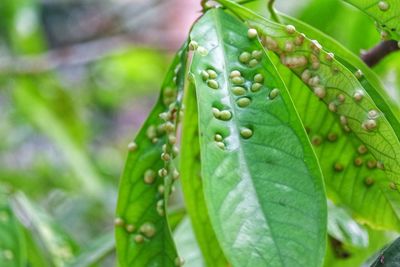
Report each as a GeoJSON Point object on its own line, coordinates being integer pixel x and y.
{"type": "Point", "coordinates": [358, 161]}
{"type": "Point", "coordinates": [253, 63]}
{"type": "Point", "coordinates": [132, 146]}
{"type": "Point", "coordinates": [362, 149]}
{"type": "Point", "coordinates": [225, 115]}
{"type": "Point", "coordinates": [204, 75]}
{"type": "Point", "coordinates": [255, 87]}
{"type": "Point", "coordinates": [246, 133]}
{"type": "Point", "coordinates": [148, 230]}
{"type": "Point", "coordinates": [338, 167]}
{"type": "Point", "coordinates": [119, 222]}
{"type": "Point", "coordinates": [332, 137]}
{"type": "Point", "coordinates": [238, 90]}
{"type": "Point", "coordinates": [149, 177]}
{"type": "Point", "coordinates": [130, 228]}
{"type": "Point", "coordinates": [252, 33]}
{"type": "Point", "coordinates": [245, 57]}
{"type": "Point", "coordinates": [243, 102]}
{"type": "Point", "coordinates": [290, 29]}
{"type": "Point", "coordinates": [383, 5]}
{"type": "Point", "coordinates": [320, 92]}
{"type": "Point", "coordinates": [235, 73]}
{"type": "Point", "coordinates": [139, 239]}
{"type": "Point", "coordinates": [258, 78]}
{"type": "Point", "coordinates": [238, 80]}
{"type": "Point", "coordinates": [274, 93]}
{"type": "Point", "coordinates": [202, 51]}
{"type": "Point", "coordinates": [218, 137]}
{"type": "Point", "coordinates": [369, 181]}
{"type": "Point", "coordinates": [193, 45]}
{"type": "Point", "coordinates": [221, 145]}
{"type": "Point", "coordinates": [213, 84]}
{"type": "Point", "coordinates": [358, 95]}
{"type": "Point", "coordinates": [369, 125]}
{"type": "Point", "coordinates": [358, 74]}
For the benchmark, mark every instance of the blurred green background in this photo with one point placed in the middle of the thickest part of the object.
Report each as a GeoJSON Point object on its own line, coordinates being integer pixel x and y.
{"type": "Point", "coordinates": [77, 78]}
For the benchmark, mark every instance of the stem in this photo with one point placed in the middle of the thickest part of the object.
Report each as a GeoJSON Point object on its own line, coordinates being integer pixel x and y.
{"type": "Point", "coordinates": [377, 53]}
{"type": "Point", "coordinates": [271, 10]}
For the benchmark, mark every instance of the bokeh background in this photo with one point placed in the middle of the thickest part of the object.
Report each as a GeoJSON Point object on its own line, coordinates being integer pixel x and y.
{"type": "Point", "coordinates": [77, 78]}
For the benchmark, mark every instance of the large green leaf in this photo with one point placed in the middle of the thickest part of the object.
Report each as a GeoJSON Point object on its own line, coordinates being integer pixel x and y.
{"type": "Point", "coordinates": [192, 184]}
{"type": "Point", "coordinates": [12, 242]}
{"type": "Point", "coordinates": [143, 236]}
{"type": "Point", "coordinates": [262, 183]}
{"type": "Point", "coordinates": [343, 109]}
{"type": "Point", "coordinates": [386, 14]}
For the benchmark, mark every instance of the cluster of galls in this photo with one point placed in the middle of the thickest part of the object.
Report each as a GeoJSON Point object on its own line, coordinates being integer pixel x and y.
{"type": "Point", "coordinates": [165, 131]}
{"type": "Point", "coordinates": [362, 158]}
{"type": "Point", "coordinates": [385, 6]}
{"type": "Point", "coordinates": [145, 232]}
{"type": "Point", "coordinates": [305, 57]}
{"type": "Point", "coordinates": [239, 87]}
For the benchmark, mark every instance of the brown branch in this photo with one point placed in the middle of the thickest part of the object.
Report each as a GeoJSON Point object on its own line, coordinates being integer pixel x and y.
{"type": "Point", "coordinates": [377, 53]}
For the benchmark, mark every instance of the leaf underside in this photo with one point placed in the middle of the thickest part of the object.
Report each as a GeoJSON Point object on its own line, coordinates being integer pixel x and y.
{"type": "Point", "coordinates": [262, 183]}
{"type": "Point", "coordinates": [361, 166]}
{"type": "Point", "coordinates": [385, 13]}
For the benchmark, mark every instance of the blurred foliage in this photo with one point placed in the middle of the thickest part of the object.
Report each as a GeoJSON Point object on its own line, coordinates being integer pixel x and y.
{"type": "Point", "coordinates": [63, 132]}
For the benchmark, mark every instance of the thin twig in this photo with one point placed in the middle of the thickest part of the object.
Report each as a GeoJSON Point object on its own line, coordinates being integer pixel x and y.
{"type": "Point", "coordinates": [271, 10]}
{"type": "Point", "coordinates": [377, 53]}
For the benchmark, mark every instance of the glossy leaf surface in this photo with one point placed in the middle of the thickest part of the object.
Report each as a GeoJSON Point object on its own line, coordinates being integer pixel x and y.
{"type": "Point", "coordinates": [262, 184]}
{"type": "Point", "coordinates": [143, 236]}
{"type": "Point", "coordinates": [386, 14]}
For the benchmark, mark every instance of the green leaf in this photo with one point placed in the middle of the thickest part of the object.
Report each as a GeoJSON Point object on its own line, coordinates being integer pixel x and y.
{"type": "Point", "coordinates": [389, 217]}
{"type": "Point", "coordinates": [262, 183]}
{"type": "Point", "coordinates": [187, 244]}
{"type": "Point", "coordinates": [390, 256]}
{"type": "Point", "coordinates": [12, 241]}
{"type": "Point", "coordinates": [143, 236]}
{"type": "Point", "coordinates": [55, 244]}
{"type": "Point", "coordinates": [192, 184]}
{"type": "Point", "coordinates": [386, 14]}
{"type": "Point", "coordinates": [342, 108]}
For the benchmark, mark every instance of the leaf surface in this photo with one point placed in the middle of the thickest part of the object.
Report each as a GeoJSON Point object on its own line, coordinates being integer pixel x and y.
{"type": "Point", "coordinates": [386, 14]}
{"type": "Point", "coordinates": [143, 236]}
{"type": "Point", "coordinates": [262, 184]}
